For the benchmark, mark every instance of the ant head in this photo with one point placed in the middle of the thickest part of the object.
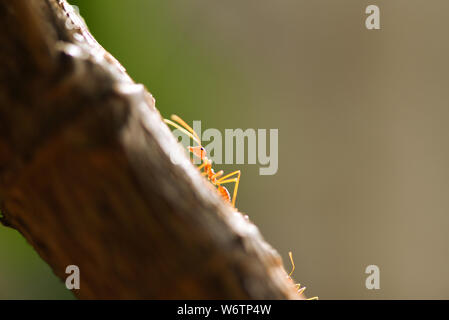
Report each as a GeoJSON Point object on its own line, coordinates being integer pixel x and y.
{"type": "Point", "coordinates": [199, 151]}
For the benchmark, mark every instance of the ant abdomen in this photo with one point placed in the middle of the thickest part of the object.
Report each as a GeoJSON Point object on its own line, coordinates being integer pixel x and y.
{"type": "Point", "coordinates": [224, 193]}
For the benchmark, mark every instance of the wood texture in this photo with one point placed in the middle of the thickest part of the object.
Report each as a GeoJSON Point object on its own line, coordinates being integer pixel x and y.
{"type": "Point", "coordinates": [92, 177]}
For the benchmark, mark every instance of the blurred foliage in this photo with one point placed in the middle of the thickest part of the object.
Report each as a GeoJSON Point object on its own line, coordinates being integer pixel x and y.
{"type": "Point", "coordinates": [23, 275]}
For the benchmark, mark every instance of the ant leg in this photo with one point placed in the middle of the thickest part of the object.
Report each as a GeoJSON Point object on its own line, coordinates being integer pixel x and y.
{"type": "Point", "coordinates": [207, 167]}
{"type": "Point", "coordinates": [202, 166]}
{"type": "Point", "coordinates": [220, 182]}
{"type": "Point", "coordinates": [218, 174]}
{"type": "Point", "coordinates": [290, 254]}
{"type": "Point", "coordinates": [232, 174]}
{"type": "Point", "coordinates": [235, 180]}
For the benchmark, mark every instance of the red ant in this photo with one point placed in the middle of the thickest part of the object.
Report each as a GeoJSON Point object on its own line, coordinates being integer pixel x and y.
{"type": "Point", "coordinates": [216, 178]}
{"type": "Point", "coordinates": [298, 285]}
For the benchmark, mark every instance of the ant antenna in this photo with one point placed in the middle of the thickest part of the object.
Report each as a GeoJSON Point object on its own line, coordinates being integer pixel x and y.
{"type": "Point", "coordinates": [174, 117]}
{"type": "Point", "coordinates": [177, 126]}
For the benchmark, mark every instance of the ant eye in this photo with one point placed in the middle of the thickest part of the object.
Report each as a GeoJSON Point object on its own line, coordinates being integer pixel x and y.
{"type": "Point", "coordinates": [202, 149]}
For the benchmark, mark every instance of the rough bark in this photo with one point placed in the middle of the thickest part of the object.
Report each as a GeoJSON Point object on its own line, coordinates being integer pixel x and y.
{"type": "Point", "coordinates": [87, 177]}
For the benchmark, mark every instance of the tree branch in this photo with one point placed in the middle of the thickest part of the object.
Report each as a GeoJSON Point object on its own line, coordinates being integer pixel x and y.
{"type": "Point", "coordinates": [86, 175]}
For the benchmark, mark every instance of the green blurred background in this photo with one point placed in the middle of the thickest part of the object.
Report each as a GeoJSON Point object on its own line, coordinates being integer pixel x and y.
{"type": "Point", "coordinates": [363, 129]}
